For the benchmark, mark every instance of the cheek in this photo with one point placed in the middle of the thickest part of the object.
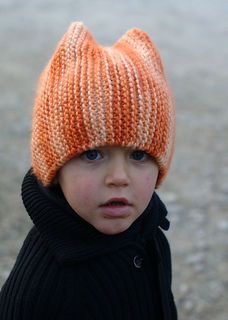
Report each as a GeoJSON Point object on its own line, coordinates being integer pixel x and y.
{"type": "Point", "coordinates": [151, 176]}
{"type": "Point", "coordinates": [149, 181]}
{"type": "Point", "coordinates": [148, 189]}
{"type": "Point", "coordinates": [83, 191]}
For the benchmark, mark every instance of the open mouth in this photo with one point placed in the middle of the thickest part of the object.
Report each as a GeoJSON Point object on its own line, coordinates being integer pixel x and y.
{"type": "Point", "coordinates": [116, 203]}
{"type": "Point", "coordinates": [116, 208]}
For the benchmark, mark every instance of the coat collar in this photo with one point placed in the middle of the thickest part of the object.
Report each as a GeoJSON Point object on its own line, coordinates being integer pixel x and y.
{"type": "Point", "coordinates": [72, 239]}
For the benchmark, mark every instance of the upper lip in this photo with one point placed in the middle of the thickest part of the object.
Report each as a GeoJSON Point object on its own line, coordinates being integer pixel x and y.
{"type": "Point", "coordinates": [121, 200]}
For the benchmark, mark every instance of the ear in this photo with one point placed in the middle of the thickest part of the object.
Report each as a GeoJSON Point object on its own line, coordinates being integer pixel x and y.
{"type": "Point", "coordinates": [139, 41]}
{"type": "Point", "coordinates": [75, 40]}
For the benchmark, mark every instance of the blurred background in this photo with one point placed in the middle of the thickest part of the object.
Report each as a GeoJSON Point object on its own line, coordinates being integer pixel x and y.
{"type": "Point", "coordinates": [192, 39]}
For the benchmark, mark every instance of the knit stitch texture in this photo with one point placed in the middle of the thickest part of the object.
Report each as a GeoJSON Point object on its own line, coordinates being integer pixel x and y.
{"type": "Point", "coordinates": [90, 96]}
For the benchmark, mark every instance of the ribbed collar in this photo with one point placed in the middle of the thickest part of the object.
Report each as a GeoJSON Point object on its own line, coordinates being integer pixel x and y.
{"type": "Point", "coordinates": [71, 238]}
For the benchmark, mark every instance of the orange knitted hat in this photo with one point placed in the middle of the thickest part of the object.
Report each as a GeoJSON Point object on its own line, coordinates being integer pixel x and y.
{"type": "Point", "coordinates": [90, 96]}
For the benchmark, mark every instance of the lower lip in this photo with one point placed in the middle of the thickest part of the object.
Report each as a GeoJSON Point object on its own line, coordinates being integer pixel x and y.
{"type": "Point", "coordinates": [116, 211]}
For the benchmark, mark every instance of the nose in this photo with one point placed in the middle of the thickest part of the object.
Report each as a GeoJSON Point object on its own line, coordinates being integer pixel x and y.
{"type": "Point", "coordinates": [117, 173]}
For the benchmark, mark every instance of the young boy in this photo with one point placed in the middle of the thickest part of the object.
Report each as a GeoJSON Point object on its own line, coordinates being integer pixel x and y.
{"type": "Point", "coordinates": [102, 140]}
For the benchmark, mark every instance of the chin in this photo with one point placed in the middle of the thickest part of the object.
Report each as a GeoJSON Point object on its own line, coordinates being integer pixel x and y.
{"type": "Point", "coordinates": [113, 227]}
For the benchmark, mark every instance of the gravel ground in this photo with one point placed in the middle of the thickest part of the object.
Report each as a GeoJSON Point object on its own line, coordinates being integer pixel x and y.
{"type": "Point", "coordinates": [192, 39]}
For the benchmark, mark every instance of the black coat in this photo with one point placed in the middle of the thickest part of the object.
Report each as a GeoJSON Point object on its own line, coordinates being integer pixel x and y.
{"type": "Point", "coordinates": [66, 269]}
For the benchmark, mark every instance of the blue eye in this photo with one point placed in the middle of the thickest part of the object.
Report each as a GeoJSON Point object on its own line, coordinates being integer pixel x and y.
{"type": "Point", "coordinates": [91, 155]}
{"type": "Point", "coordinates": [139, 155]}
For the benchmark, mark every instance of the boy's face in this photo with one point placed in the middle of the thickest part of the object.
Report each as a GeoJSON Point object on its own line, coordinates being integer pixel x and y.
{"type": "Point", "coordinates": [109, 187]}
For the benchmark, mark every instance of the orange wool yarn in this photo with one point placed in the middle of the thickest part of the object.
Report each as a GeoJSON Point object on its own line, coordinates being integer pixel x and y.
{"type": "Point", "coordinates": [90, 96]}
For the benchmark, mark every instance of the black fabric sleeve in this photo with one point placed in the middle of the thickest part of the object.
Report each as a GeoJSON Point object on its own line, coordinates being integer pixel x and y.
{"type": "Point", "coordinates": [165, 253]}
{"type": "Point", "coordinates": [18, 293]}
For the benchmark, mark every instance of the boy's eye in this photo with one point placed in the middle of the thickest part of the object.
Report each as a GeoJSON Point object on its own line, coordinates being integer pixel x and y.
{"type": "Point", "coordinates": [139, 155]}
{"type": "Point", "coordinates": [91, 155]}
